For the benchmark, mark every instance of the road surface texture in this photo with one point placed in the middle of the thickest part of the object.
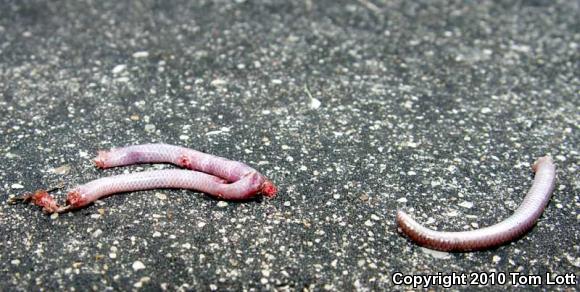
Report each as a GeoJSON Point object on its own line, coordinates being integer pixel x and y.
{"type": "Point", "coordinates": [355, 109]}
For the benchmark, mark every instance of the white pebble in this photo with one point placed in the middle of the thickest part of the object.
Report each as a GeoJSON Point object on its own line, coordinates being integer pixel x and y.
{"type": "Point", "coordinates": [218, 82]}
{"type": "Point", "coordinates": [466, 204]}
{"type": "Point", "coordinates": [315, 103]}
{"type": "Point", "coordinates": [61, 169]}
{"type": "Point", "coordinates": [222, 204]}
{"type": "Point", "coordinates": [435, 253]}
{"type": "Point", "coordinates": [15, 262]}
{"type": "Point", "coordinates": [138, 265]}
{"type": "Point", "coordinates": [17, 186]}
{"type": "Point", "coordinates": [452, 213]}
{"type": "Point", "coordinates": [142, 54]}
{"type": "Point", "coordinates": [119, 68]}
{"type": "Point", "coordinates": [213, 133]}
{"type": "Point", "coordinates": [149, 128]}
{"type": "Point", "coordinates": [97, 233]}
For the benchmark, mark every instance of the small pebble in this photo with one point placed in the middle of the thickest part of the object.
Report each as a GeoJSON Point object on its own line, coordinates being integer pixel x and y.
{"type": "Point", "coordinates": [118, 69]}
{"type": "Point", "coordinates": [149, 128]}
{"type": "Point", "coordinates": [218, 82]}
{"type": "Point", "coordinates": [97, 233]}
{"type": "Point", "coordinates": [466, 204]}
{"type": "Point", "coordinates": [315, 103]}
{"type": "Point", "coordinates": [64, 169]}
{"type": "Point", "coordinates": [138, 265]}
{"type": "Point", "coordinates": [435, 253]}
{"type": "Point", "coordinates": [142, 54]}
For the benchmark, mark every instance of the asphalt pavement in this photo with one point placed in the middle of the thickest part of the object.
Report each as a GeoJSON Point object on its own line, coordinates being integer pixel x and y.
{"type": "Point", "coordinates": [355, 109]}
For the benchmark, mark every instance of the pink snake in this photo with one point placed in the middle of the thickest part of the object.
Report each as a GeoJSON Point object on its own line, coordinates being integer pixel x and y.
{"type": "Point", "coordinates": [217, 176]}
{"type": "Point", "coordinates": [511, 228]}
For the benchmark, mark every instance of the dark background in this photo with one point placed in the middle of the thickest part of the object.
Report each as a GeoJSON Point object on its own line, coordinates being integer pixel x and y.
{"type": "Point", "coordinates": [353, 108]}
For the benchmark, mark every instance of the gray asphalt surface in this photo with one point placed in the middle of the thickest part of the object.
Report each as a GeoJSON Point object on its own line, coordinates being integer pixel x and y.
{"type": "Point", "coordinates": [355, 109]}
